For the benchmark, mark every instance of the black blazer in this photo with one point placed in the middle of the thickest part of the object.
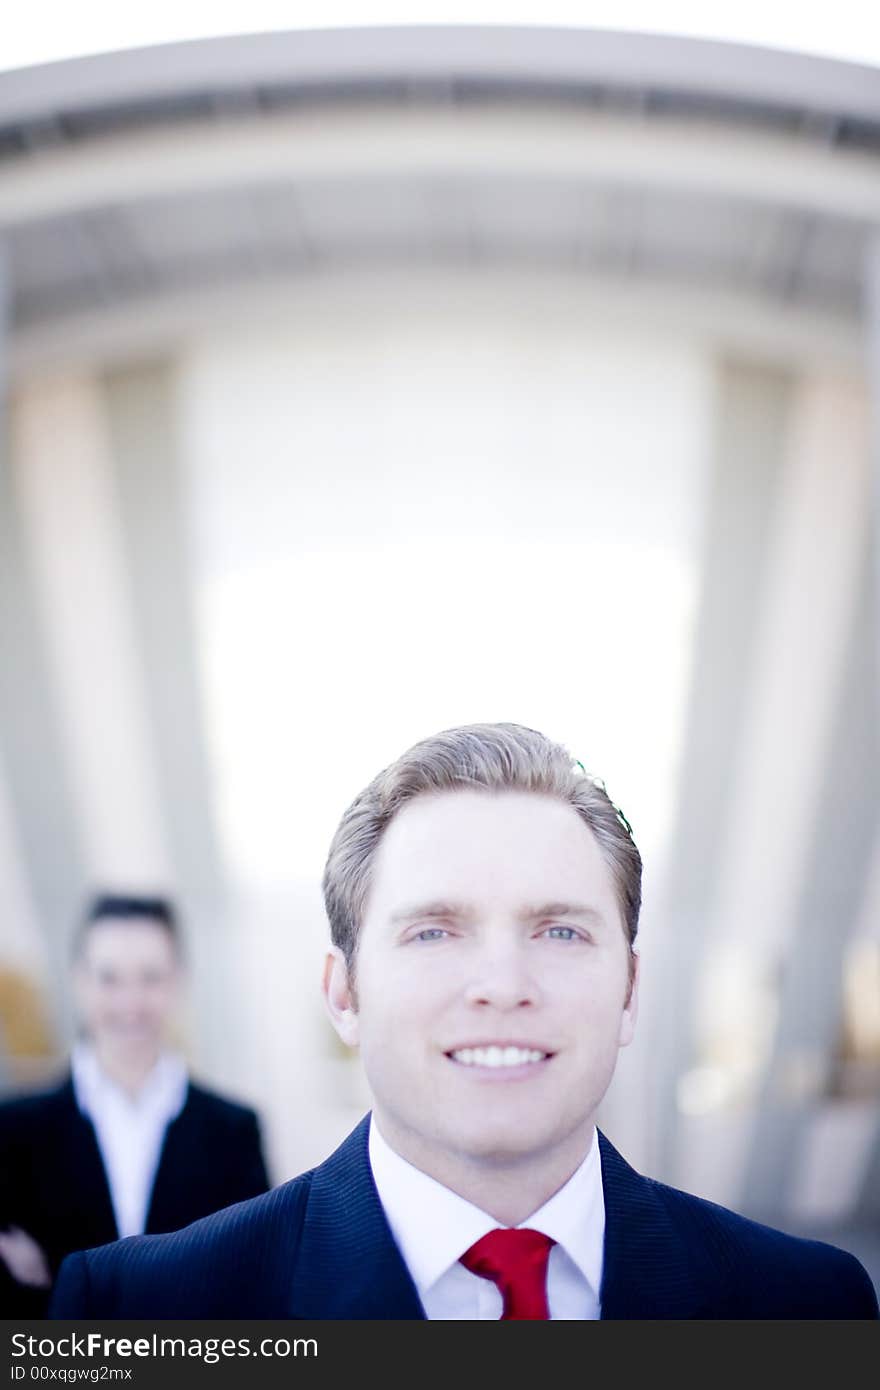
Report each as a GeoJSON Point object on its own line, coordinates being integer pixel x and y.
{"type": "Point", "coordinates": [53, 1183]}
{"type": "Point", "coordinates": [320, 1247]}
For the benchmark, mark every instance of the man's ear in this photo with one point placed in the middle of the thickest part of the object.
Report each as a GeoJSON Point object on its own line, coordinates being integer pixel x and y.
{"type": "Point", "coordinates": [631, 1007]}
{"type": "Point", "coordinates": [339, 997]}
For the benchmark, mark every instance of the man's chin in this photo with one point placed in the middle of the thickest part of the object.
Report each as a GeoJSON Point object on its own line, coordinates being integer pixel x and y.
{"type": "Point", "coordinates": [500, 1146]}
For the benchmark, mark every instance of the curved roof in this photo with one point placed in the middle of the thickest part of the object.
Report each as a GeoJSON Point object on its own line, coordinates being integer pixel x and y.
{"type": "Point", "coordinates": [148, 174]}
{"type": "Point", "coordinates": [685, 73]}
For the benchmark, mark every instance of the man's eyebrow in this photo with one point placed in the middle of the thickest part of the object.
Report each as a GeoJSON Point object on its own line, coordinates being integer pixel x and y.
{"type": "Point", "coordinates": [445, 909]}
{"type": "Point", "coordinates": [561, 909]}
{"type": "Point", "coordinates": [431, 909]}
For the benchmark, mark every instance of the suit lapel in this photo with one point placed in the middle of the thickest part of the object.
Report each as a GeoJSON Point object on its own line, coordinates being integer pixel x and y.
{"type": "Point", "coordinates": [348, 1265]}
{"type": "Point", "coordinates": [647, 1272]}
{"type": "Point", "coordinates": [171, 1196]}
{"type": "Point", "coordinates": [84, 1172]}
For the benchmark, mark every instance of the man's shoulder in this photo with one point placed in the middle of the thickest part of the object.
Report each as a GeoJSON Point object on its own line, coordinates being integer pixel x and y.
{"type": "Point", "coordinates": [765, 1266]}
{"type": "Point", "coordinates": [30, 1109]}
{"type": "Point", "coordinates": [219, 1109]}
{"type": "Point", "coordinates": [669, 1254]}
{"type": "Point", "coordinates": [199, 1271]}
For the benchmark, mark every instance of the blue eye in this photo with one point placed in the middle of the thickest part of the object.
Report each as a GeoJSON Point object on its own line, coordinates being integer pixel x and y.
{"type": "Point", "coordinates": [569, 933]}
{"type": "Point", "coordinates": [431, 934]}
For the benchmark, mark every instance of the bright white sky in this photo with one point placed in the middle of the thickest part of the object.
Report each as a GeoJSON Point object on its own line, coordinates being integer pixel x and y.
{"type": "Point", "coordinates": [42, 31]}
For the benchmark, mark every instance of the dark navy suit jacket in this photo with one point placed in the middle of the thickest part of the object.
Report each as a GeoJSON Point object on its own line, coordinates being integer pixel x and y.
{"type": "Point", "coordinates": [320, 1247]}
{"type": "Point", "coordinates": [53, 1183]}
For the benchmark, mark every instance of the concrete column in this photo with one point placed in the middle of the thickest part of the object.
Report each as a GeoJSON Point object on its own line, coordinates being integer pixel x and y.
{"type": "Point", "coordinates": [753, 408]}
{"type": "Point", "coordinates": [70, 518]}
{"type": "Point", "coordinates": [868, 1200]}
{"type": "Point", "coordinates": [142, 407]}
{"type": "Point", "coordinates": [41, 872]}
{"type": "Point", "coordinates": [767, 946]}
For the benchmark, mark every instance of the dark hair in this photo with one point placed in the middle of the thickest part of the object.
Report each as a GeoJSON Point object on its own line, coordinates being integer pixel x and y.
{"type": "Point", "coordinates": [490, 757]}
{"type": "Point", "coordinates": [128, 908]}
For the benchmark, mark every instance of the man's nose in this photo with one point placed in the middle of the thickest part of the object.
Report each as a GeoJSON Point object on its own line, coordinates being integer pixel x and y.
{"type": "Point", "coordinates": [503, 979]}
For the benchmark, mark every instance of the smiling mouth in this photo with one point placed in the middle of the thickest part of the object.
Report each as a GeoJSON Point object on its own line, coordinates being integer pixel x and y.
{"type": "Point", "coordinates": [498, 1057]}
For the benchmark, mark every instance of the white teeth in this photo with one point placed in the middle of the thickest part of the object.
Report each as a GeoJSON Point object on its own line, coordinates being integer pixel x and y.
{"type": "Point", "coordinates": [497, 1056]}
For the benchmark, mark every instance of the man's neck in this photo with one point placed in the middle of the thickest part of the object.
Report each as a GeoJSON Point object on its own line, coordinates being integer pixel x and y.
{"type": "Point", "coordinates": [129, 1071]}
{"type": "Point", "coordinates": [510, 1189]}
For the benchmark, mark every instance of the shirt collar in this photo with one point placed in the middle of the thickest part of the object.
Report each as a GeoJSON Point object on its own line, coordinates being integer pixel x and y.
{"type": "Point", "coordinates": [433, 1226]}
{"type": "Point", "coordinates": [163, 1092]}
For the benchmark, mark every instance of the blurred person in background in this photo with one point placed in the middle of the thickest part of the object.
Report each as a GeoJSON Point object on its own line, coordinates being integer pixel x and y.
{"type": "Point", "coordinates": [483, 895]}
{"type": "Point", "coordinates": [127, 1143]}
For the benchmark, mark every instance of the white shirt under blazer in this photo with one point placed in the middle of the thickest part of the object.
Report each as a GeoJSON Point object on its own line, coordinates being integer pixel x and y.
{"type": "Point", "coordinates": [434, 1226]}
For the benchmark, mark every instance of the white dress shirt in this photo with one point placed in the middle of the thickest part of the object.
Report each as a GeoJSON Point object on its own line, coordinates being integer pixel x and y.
{"type": "Point", "coordinates": [433, 1227]}
{"type": "Point", "coordinates": [130, 1130]}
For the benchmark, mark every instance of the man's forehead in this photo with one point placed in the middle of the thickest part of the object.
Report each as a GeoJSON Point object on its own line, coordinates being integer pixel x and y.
{"type": "Point", "coordinates": [448, 807]}
{"type": "Point", "coordinates": [457, 847]}
{"type": "Point", "coordinates": [122, 938]}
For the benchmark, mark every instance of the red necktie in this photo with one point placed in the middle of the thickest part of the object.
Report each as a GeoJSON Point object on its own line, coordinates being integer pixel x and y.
{"type": "Point", "coordinates": [515, 1260]}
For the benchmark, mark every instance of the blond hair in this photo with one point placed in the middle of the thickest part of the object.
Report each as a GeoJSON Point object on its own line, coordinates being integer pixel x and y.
{"type": "Point", "coordinates": [488, 757]}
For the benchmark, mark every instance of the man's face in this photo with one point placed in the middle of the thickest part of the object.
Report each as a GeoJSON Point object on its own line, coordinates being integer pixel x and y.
{"type": "Point", "coordinates": [492, 981]}
{"type": "Point", "coordinates": [127, 981]}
